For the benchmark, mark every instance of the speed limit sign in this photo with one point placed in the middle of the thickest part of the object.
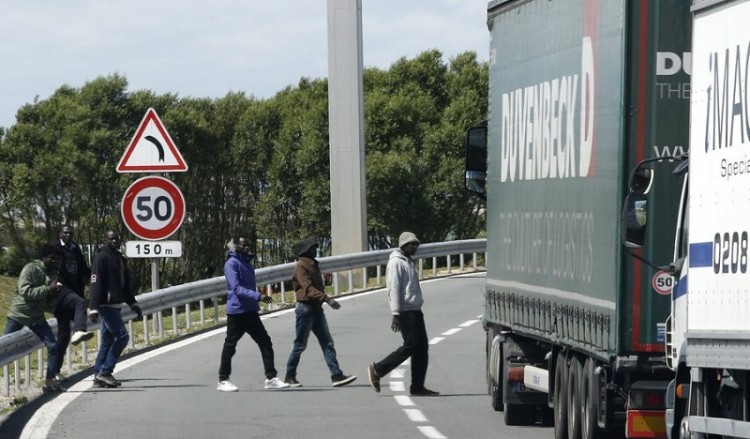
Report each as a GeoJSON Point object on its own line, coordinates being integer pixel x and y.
{"type": "Point", "coordinates": [153, 208]}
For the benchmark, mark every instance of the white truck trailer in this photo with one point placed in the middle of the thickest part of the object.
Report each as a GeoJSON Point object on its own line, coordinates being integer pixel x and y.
{"type": "Point", "coordinates": [708, 332]}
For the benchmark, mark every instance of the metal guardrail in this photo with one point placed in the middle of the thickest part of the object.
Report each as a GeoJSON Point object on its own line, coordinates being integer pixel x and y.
{"type": "Point", "coordinates": [15, 346]}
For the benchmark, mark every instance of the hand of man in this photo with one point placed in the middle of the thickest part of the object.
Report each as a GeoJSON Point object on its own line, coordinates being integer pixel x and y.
{"type": "Point", "coordinates": [396, 323]}
{"type": "Point", "coordinates": [94, 316]}
{"type": "Point", "coordinates": [137, 310]}
{"type": "Point", "coordinates": [333, 303]}
{"type": "Point", "coordinates": [266, 298]}
{"type": "Point", "coordinates": [54, 287]}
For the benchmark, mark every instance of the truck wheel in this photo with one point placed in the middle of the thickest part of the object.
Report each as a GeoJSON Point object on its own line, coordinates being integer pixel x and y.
{"type": "Point", "coordinates": [575, 373]}
{"type": "Point", "coordinates": [560, 400]}
{"type": "Point", "coordinates": [495, 374]}
{"type": "Point", "coordinates": [590, 401]}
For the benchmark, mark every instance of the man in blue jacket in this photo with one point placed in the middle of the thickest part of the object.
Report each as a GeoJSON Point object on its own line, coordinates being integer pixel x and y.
{"type": "Point", "coordinates": [243, 300]}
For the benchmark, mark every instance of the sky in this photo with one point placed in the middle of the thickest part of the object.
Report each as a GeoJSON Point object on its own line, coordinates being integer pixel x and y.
{"type": "Point", "coordinates": [202, 48]}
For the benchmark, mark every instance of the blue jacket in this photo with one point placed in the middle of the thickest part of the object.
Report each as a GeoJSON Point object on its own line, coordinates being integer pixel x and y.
{"type": "Point", "coordinates": [242, 294]}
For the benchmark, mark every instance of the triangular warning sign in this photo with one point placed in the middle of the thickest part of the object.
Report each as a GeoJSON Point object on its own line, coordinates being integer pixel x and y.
{"type": "Point", "coordinates": [151, 150]}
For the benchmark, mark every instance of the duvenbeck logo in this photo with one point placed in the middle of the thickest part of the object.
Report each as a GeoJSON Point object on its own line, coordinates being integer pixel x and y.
{"type": "Point", "coordinates": [539, 139]}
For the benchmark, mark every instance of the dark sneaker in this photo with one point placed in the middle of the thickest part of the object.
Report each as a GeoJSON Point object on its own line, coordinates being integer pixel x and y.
{"type": "Point", "coordinates": [53, 387]}
{"type": "Point", "coordinates": [342, 380]}
{"type": "Point", "coordinates": [424, 392]}
{"type": "Point", "coordinates": [293, 382]}
{"type": "Point", "coordinates": [108, 380]}
{"type": "Point", "coordinates": [374, 378]}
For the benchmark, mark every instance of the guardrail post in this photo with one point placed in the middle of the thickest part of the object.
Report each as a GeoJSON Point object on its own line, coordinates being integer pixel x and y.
{"type": "Point", "coordinates": [17, 374]}
{"type": "Point", "coordinates": [40, 371]}
{"type": "Point", "coordinates": [174, 320]}
{"type": "Point", "coordinates": [132, 333]}
{"type": "Point", "coordinates": [283, 293]}
{"type": "Point", "coordinates": [378, 275]}
{"type": "Point", "coordinates": [461, 261]}
{"type": "Point", "coordinates": [202, 306]}
{"type": "Point", "coordinates": [146, 333]}
{"type": "Point", "coordinates": [448, 263]}
{"type": "Point", "coordinates": [160, 323]}
{"type": "Point", "coordinates": [68, 365]}
{"type": "Point", "coordinates": [84, 353]}
{"type": "Point", "coordinates": [187, 316]}
{"type": "Point", "coordinates": [6, 380]}
{"type": "Point", "coordinates": [364, 278]}
{"type": "Point", "coordinates": [350, 278]}
{"type": "Point", "coordinates": [216, 309]}
{"type": "Point", "coordinates": [474, 260]}
{"type": "Point", "coordinates": [335, 284]}
{"type": "Point", "coordinates": [434, 266]}
{"type": "Point", "coordinates": [421, 268]}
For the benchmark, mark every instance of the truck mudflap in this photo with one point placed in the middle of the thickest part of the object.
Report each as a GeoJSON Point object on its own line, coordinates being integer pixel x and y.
{"type": "Point", "coordinates": [645, 424]}
{"type": "Point", "coordinates": [646, 410]}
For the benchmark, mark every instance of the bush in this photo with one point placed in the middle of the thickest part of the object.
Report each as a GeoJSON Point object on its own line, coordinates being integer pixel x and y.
{"type": "Point", "coordinates": [12, 261]}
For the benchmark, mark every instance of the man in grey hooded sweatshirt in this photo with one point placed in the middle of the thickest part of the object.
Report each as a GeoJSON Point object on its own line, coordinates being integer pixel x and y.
{"type": "Point", "coordinates": [405, 299]}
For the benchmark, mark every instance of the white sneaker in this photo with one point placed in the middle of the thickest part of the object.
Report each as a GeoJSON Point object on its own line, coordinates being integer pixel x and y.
{"type": "Point", "coordinates": [276, 383]}
{"type": "Point", "coordinates": [80, 336]}
{"type": "Point", "coordinates": [226, 386]}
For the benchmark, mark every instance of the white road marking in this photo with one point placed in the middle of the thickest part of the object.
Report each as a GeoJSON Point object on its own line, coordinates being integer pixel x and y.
{"type": "Point", "coordinates": [403, 400]}
{"type": "Point", "coordinates": [397, 386]}
{"type": "Point", "coordinates": [415, 415]}
{"type": "Point", "coordinates": [437, 340]}
{"type": "Point", "coordinates": [451, 331]}
{"type": "Point", "coordinates": [397, 372]}
{"type": "Point", "coordinates": [431, 432]}
{"type": "Point", "coordinates": [468, 323]}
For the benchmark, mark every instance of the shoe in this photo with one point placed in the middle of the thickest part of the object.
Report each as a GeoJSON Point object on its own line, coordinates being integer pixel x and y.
{"type": "Point", "coordinates": [226, 386]}
{"type": "Point", "coordinates": [108, 379]}
{"type": "Point", "coordinates": [276, 383]}
{"type": "Point", "coordinates": [424, 391]}
{"type": "Point", "coordinates": [293, 382]}
{"type": "Point", "coordinates": [80, 336]}
{"type": "Point", "coordinates": [60, 377]}
{"type": "Point", "coordinates": [342, 380]}
{"type": "Point", "coordinates": [374, 378]}
{"type": "Point", "coordinates": [53, 386]}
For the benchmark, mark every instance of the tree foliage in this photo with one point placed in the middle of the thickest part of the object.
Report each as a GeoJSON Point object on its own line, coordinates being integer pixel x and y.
{"type": "Point", "coordinates": [259, 167]}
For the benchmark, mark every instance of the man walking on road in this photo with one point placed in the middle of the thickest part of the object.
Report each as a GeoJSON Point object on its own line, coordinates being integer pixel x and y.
{"type": "Point", "coordinates": [111, 287]}
{"type": "Point", "coordinates": [70, 305]}
{"type": "Point", "coordinates": [405, 299]}
{"type": "Point", "coordinates": [242, 315]}
{"type": "Point", "coordinates": [310, 293]}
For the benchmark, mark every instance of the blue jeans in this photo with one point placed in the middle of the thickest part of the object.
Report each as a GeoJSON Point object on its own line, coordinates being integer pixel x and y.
{"type": "Point", "coordinates": [311, 318]}
{"type": "Point", "coordinates": [114, 340]}
{"type": "Point", "coordinates": [43, 331]}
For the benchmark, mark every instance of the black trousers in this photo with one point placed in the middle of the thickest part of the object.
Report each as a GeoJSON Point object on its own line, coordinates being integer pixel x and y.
{"type": "Point", "coordinates": [415, 346]}
{"type": "Point", "coordinates": [70, 307]}
{"type": "Point", "coordinates": [237, 326]}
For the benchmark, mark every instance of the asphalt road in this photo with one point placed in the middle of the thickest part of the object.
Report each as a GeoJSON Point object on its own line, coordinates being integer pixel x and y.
{"type": "Point", "coordinates": [171, 392]}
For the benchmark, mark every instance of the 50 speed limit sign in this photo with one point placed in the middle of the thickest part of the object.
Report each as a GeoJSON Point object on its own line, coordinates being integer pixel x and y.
{"type": "Point", "coordinates": [153, 208]}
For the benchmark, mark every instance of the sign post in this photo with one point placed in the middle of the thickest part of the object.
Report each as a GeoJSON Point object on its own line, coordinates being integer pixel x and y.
{"type": "Point", "coordinates": [153, 208]}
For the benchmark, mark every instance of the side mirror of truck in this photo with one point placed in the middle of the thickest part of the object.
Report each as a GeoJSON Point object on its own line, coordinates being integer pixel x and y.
{"type": "Point", "coordinates": [634, 220]}
{"type": "Point", "coordinates": [476, 160]}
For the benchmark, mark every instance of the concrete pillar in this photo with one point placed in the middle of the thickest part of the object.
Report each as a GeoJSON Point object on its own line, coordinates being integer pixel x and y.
{"type": "Point", "coordinates": [346, 127]}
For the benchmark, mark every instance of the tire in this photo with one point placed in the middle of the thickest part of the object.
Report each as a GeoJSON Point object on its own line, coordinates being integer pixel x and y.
{"type": "Point", "coordinates": [495, 368]}
{"type": "Point", "coordinates": [575, 375]}
{"type": "Point", "coordinates": [590, 402]}
{"type": "Point", "coordinates": [561, 403]}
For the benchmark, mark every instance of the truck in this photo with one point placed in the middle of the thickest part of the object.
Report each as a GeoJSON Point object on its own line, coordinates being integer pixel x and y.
{"type": "Point", "coordinates": [708, 331]}
{"type": "Point", "coordinates": [580, 92]}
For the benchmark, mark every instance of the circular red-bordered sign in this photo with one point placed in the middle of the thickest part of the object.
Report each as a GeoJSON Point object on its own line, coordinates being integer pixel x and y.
{"type": "Point", "coordinates": [153, 208]}
{"type": "Point", "coordinates": [662, 282]}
